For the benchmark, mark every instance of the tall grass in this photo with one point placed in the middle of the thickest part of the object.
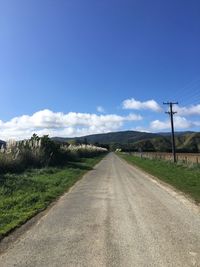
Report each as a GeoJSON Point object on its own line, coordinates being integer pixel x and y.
{"type": "Point", "coordinates": [42, 152]}
{"type": "Point", "coordinates": [34, 172]}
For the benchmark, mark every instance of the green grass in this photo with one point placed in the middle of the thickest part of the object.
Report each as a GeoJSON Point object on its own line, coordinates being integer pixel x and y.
{"type": "Point", "coordinates": [186, 179]}
{"type": "Point", "coordinates": [24, 195]}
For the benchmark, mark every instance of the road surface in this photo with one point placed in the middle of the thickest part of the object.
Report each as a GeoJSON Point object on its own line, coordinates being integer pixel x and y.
{"type": "Point", "coordinates": [115, 216]}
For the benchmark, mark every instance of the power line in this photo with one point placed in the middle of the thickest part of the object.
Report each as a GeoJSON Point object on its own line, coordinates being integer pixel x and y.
{"type": "Point", "coordinates": [189, 96]}
{"type": "Point", "coordinates": [188, 87]}
{"type": "Point", "coordinates": [171, 113]}
{"type": "Point", "coordinates": [188, 90]}
{"type": "Point", "coordinates": [190, 101]}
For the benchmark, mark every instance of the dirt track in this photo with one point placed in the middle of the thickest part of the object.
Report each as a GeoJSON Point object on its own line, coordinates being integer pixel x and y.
{"type": "Point", "coordinates": [115, 216]}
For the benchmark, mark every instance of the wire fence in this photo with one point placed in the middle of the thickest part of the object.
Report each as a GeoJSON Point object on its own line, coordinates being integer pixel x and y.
{"type": "Point", "coordinates": [187, 158]}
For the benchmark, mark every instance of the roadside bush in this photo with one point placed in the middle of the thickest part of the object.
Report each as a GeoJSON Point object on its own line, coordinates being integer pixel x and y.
{"type": "Point", "coordinates": [42, 152]}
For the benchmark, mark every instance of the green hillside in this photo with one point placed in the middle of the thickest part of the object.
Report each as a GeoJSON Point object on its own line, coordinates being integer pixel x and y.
{"type": "Point", "coordinates": [134, 141]}
{"type": "Point", "coordinates": [109, 138]}
{"type": "Point", "coordinates": [189, 142]}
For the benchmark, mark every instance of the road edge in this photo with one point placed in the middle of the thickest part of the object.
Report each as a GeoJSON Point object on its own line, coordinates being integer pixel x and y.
{"type": "Point", "coordinates": [181, 196]}
{"type": "Point", "coordinates": [15, 234]}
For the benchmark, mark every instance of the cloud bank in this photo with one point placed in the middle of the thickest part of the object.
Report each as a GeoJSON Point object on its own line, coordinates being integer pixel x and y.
{"type": "Point", "coordinates": [61, 124]}
{"type": "Point", "coordinates": [180, 123]}
{"type": "Point", "coordinates": [187, 111]}
{"type": "Point", "coordinates": [79, 124]}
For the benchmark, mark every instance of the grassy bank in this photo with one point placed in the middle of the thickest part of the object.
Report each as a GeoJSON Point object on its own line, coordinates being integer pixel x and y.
{"type": "Point", "coordinates": [181, 177]}
{"type": "Point", "coordinates": [23, 195]}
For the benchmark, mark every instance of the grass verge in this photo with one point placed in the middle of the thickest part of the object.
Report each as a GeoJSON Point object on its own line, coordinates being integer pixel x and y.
{"type": "Point", "coordinates": [185, 179]}
{"type": "Point", "coordinates": [24, 195]}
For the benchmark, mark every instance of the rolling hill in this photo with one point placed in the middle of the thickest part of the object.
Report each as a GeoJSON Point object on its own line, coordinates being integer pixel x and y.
{"type": "Point", "coordinates": [122, 137]}
{"type": "Point", "coordinates": [188, 142]}
{"type": "Point", "coordinates": [134, 141]}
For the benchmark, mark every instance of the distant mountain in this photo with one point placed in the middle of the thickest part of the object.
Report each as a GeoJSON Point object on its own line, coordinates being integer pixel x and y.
{"type": "Point", "coordinates": [122, 137]}
{"type": "Point", "coordinates": [185, 142]}
{"type": "Point", "coordinates": [176, 133]}
{"type": "Point", "coordinates": [189, 142]}
{"type": "Point", "coordinates": [134, 141]}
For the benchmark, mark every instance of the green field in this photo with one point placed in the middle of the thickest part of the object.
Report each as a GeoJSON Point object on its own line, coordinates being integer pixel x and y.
{"type": "Point", "coordinates": [23, 195]}
{"type": "Point", "coordinates": [185, 179]}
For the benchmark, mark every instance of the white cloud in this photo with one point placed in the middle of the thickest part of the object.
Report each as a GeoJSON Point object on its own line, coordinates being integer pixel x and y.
{"type": "Point", "coordinates": [179, 123]}
{"type": "Point", "coordinates": [100, 109]}
{"type": "Point", "coordinates": [138, 105]}
{"type": "Point", "coordinates": [159, 125]}
{"type": "Point", "coordinates": [61, 124]}
{"type": "Point", "coordinates": [187, 111]}
{"type": "Point", "coordinates": [141, 129]}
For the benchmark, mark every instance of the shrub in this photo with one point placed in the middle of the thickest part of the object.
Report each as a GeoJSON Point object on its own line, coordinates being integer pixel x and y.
{"type": "Point", "coordinates": [38, 152]}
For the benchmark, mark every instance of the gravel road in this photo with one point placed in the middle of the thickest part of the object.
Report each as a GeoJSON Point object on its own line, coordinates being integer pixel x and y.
{"type": "Point", "coordinates": [115, 216]}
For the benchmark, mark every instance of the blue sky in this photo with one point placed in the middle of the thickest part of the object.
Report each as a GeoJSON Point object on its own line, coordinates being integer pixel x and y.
{"type": "Point", "coordinates": [61, 60]}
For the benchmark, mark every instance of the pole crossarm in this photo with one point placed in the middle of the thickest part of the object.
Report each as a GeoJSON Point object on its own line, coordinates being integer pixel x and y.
{"type": "Point", "coordinates": [168, 112]}
{"type": "Point", "coordinates": [171, 113]}
{"type": "Point", "coordinates": [168, 103]}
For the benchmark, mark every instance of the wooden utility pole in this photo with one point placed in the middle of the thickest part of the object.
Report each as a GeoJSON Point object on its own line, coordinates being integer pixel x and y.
{"type": "Point", "coordinates": [171, 113]}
